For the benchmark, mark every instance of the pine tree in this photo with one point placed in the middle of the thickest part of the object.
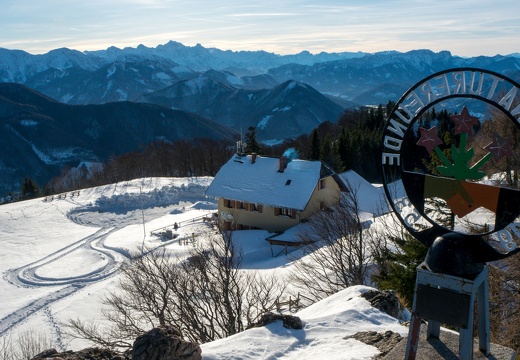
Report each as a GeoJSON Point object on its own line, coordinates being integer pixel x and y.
{"type": "Point", "coordinates": [252, 145]}
{"type": "Point", "coordinates": [343, 148]}
{"type": "Point", "coordinates": [29, 189]}
{"type": "Point", "coordinates": [315, 149]}
{"type": "Point", "coordinates": [398, 269]}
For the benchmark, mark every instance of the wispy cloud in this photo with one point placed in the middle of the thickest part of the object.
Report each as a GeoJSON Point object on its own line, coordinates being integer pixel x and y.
{"type": "Point", "coordinates": [465, 27]}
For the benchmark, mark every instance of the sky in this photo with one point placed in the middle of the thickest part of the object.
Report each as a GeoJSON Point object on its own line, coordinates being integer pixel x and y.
{"type": "Point", "coordinates": [464, 27]}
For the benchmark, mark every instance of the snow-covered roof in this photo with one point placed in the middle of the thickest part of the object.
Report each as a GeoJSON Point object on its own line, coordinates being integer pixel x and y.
{"type": "Point", "coordinates": [261, 182]}
{"type": "Point", "coordinates": [371, 198]}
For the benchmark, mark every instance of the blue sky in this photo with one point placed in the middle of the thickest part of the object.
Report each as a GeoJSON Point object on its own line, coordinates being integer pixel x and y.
{"type": "Point", "coordinates": [464, 27]}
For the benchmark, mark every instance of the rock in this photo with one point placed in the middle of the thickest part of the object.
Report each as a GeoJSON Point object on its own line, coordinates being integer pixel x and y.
{"type": "Point", "coordinates": [85, 354]}
{"type": "Point", "coordinates": [46, 354]}
{"type": "Point", "coordinates": [385, 301]}
{"type": "Point", "coordinates": [165, 343]}
{"type": "Point", "coordinates": [289, 321]}
{"type": "Point", "coordinates": [384, 342]}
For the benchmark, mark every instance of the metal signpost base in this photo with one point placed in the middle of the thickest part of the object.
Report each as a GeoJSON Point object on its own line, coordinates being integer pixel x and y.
{"type": "Point", "coordinates": [450, 300]}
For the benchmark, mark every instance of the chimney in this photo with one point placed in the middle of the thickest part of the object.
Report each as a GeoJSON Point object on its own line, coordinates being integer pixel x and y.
{"type": "Point", "coordinates": [253, 158]}
{"type": "Point", "coordinates": [283, 164]}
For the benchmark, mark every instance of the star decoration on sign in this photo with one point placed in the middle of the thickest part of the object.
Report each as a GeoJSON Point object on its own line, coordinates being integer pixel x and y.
{"type": "Point", "coordinates": [500, 147]}
{"type": "Point", "coordinates": [429, 138]}
{"type": "Point", "coordinates": [464, 122]}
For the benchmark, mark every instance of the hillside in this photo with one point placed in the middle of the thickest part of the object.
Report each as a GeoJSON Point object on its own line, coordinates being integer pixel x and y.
{"type": "Point", "coordinates": [61, 256]}
{"type": "Point", "coordinates": [283, 96]}
{"type": "Point", "coordinates": [283, 112]}
{"type": "Point", "coordinates": [41, 135]}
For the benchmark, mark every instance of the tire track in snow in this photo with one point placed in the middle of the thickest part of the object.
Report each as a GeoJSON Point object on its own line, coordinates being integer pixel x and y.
{"type": "Point", "coordinates": [20, 315]}
{"type": "Point", "coordinates": [112, 219]}
{"type": "Point", "coordinates": [26, 276]}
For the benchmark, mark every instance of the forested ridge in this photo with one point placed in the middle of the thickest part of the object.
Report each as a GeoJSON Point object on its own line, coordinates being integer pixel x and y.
{"type": "Point", "coordinates": [353, 142]}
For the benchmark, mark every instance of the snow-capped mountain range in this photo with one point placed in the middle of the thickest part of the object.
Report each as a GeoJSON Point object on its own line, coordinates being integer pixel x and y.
{"type": "Point", "coordinates": [283, 96]}
{"type": "Point", "coordinates": [125, 74]}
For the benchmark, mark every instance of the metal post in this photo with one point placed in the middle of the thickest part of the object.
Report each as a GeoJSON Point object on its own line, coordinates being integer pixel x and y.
{"type": "Point", "coordinates": [483, 316]}
{"type": "Point", "coordinates": [413, 338]}
{"type": "Point", "coordinates": [434, 329]}
{"type": "Point", "coordinates": [466, 335]}
{"type": "Point", "coordinates": [142, 213]}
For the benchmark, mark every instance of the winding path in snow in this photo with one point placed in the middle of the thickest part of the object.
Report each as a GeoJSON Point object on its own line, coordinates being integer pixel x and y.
{"type": "Point", "coordinates": [118, 211]}
{"type": "Point", "coordinates": [27, 276]}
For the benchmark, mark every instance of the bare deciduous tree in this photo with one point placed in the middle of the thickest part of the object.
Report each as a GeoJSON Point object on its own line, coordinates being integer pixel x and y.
{"type": "Point", "coordinates": [6, 347]}
{"type": "Point", "coordinates": [340, 248]}
{"type": "Point", "coordinates": [24, 346]}
{"type": "Point", "coordinates": [504, 299]}
{"type": "Point", "coordinates": [206, 296]}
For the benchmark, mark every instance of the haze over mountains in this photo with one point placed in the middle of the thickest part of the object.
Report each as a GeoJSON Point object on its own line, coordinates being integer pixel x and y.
{"type": "Point", "coordinates": [133, 96]}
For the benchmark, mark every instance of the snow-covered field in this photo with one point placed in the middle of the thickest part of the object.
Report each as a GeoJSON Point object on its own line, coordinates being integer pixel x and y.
{"type": "Point", "coordinates": [59, 256]}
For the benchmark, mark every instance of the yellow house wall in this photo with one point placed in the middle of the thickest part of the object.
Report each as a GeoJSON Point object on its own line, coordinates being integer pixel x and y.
{"type": "Point", "coordinates": [328, 196]}
{"type": "Point", "coordinates": [267, 220]}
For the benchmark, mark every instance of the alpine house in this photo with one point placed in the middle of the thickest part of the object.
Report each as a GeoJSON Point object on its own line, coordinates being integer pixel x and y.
{"type": "Point", "coordinates": [273, 194]}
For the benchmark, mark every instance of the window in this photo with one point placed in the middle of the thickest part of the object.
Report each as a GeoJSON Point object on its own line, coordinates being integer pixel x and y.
{"type": "Point", "coordinates": [255, 207]}
{"type": "Point", "coordinates": [241, 205]}
{"type": "Point", "coordinates": [282, 211]}
{"type": "Point", "coordinates": [230, 204]}
{"type": "Point", "coordinates": [321, 184]}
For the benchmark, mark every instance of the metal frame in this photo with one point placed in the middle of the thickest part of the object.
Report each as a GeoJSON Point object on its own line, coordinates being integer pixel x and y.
{"type": "Point", "coordinates": [472, 288]}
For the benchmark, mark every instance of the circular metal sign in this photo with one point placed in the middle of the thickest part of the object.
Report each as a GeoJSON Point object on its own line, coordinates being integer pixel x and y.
{"type": "Point", "coordinates": [449, 156]}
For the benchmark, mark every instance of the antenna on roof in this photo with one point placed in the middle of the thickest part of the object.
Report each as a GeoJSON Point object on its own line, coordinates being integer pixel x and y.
{"type": "Point", "coordinates": [240, 144]}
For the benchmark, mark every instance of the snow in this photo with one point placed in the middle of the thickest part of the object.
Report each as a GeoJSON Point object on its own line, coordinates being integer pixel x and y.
{"type": "Point", "coordinates": [28, 123]}
{"type": "Point", "coordinates": [263, 123]}
{"type": "Point", "coordinates": [372, 199]}
{"type": "Point", "coordinates": [195, 85]}
{"type": "Point", "coordinates": [43, 157]}
{"type": "Point", "coordinates": [327, 323]}
{"type": "Point", "coordinates": [61, 255]}
{"type": "Point", "coordinates": [234, 80]}
{"type": "Point", "coordinates": [285, 108]}
{"type": "Point", "coordinates": [111, 71]}
{"type": "Point", "coordinates": [162, 76]}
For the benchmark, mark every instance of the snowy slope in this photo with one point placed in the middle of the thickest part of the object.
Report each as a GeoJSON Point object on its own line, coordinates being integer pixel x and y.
{"type": "Point", "coordinates": [327, 323]}
{"type": "Point", "coordinates": [61, 255]}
